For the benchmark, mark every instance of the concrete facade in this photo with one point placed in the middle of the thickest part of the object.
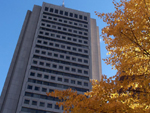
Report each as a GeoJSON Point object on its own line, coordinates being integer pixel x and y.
{"type": "Point", "coordinates": [58, 48]}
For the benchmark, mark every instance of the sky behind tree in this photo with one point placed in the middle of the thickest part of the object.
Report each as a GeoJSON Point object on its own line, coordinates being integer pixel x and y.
{"type": "Point", "coordinates": [13, 13]}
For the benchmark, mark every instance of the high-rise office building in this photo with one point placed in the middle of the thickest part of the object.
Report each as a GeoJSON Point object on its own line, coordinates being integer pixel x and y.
{"type": "Point", "coordinates": [58, 48]}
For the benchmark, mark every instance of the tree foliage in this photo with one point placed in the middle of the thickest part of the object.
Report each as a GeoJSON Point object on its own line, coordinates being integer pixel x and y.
{"type": "Point", "coordinates": [127, 36]}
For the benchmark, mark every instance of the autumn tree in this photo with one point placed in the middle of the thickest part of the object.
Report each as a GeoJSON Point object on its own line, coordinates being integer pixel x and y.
{"type": "Point", "coordinates": [127, 36]}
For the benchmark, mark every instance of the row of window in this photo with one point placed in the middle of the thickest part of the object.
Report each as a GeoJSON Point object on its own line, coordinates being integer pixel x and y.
{"type": "Point", "coordinates": [65, 22]}
{"type": "Point", "coordinates": [65, 13]}
{"type": "Point", "coordinates": [62, 46]}
{"type": "Point", "coordinates": [64, 29]}
{"type": "Point", "coordinates": [64, 40]}
{"type": "Point", "coordinates": [57, 85]}
{"type": "Point", "coordinates": [64, 33]}
{"type": "Point", "coordinates": [55, 49]}
{"type": "Point", "coordinates": [61, 67]}
{"type": "Point", "coordinates": [54, 61]}
{"type": "Point", "coordinates": [60, 79]}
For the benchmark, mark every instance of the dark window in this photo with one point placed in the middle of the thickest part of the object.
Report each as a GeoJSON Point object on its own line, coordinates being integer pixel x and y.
{"type": "Point", "coordinates": [85, 51]}
{"type": "Point", "coordinates": [29, 87]}
{"type": "Point", "coordinates": [69, 30]}
{"type": "Point", "coordinates": [56, 107]}
{"type": "Point", "coordinates": [55, 55]}
{"type": "Point", "coordinates": [69, 38]}
{"type": "Point", "coordinates": [49, 54]}
{"type": "Point", "coordinates": [73, 58]}
{"type": "Point", "coordinates": [54, 66]}
{"type": "Point", "coordinates": [85, 61]}
{"type": "Point", "coordinates": [41, 32]}
{"type": "Point", "coordinates": [59, 79]}
{"type": "Point", "coordinates": [73, 70]}
{"type": "Point", "coordinates": [72, 81]}
{"type": "Point", "coordinates": [51, 44]}
{"type": "Point", "coordinates": [68, 47]}
{"type": "Point", "coordinates": [75, 31]}
{"type": "Point", "coordinates": [48, 25]}
{"type": "Point", "coordinates": [47, 34]}
{"type": "Point", "coordinates": [80, 41]}
{"type": "Point", "coordinates": [62, 46]}
{"type": "Point", "coordinates": [85, 42]}
{"type": "Point", "coordinates": [67, 57]}
{"type": "Point", "coordinates": [79, 60]}
{"type": "Point", "coordinates": [43, 52]}
{"type": "Point", "coordinates": [74, 39]}
{"type": "Point", "coordinates": [60, 67]}
{"type": "Point", "coordinates": [32, 74]}
{"type": "Point", "coordinates": [80, 32]}
{"type": "Point", "coordinates": [63, 37]}
{"type": "Point", "coordinates": [46, 76]}
{"type": "Point", "coordinates": [80, 50]}
{"type": "Point", "coordinates": [75, 15]}
{"type": "Point", "coordinates": [49, 105]}
{"type": "Point", "coordinates": [44, 16]}
{"type": "Point", "coordinates": [65, 21]}
{"type": "Point", "coordinates": [58, 36]}
{"type": "Point", "coordinates": [61, 12]}
{"type": "Point", "coordinates": [26, 101]}
{"type": "Point", "coordinates": [37, 88]}
{"type": "Point", "coordinates": [70, 22]}
{"type": "Point", "coordinates": [60, 20]}
{"type": "Point", "coordinates": [71, 14]}
{"type": "Point", "coordinates": [66, 13]}
{"type": "Point", "coordinates": [41, 63]}
{"type": "Point", "coordinates": [51, 9]}
{"type": "Point", "coordinates": [64, 29]}
{"type": "Point", "coordinates": [44, 89]}
{"type": "Point", "coordinates": [85, 25]}
{"type": "Point", "coordinates": [61, 56]}
{"type": "Point", "coordinates": [56, 11]}
{"type": "Point", "coordinates": [52, 77]}
{"type": "Point", "coordinates": [51, 90]}
{"type": "Point", "coordinates": [79, 83]}
{"type": "Point", "coordinates": [37, 51]}
{"type": "Point", "coordinates": [39, 75]}
{"type": "Point", "coordinates": [34, 102]}
{"type": "Point", "coordinates": [75, 23]}
{"type": "Point", "coordinates": [47, 64]}
{"type": "Point", "coordinates": [74, 49]}
{"type": "Point", "coordinates": [39, 41]}
{"type": "Point", "coordinates": [85, 33]}
{"type": "Point", "coordinates": [85, 84]}
{"type": "Point", "coordinates": [67, 68]}
{"type": "Point", "coordinates": [55, 20]}
{"type": "Point", "coordinates": [34, 62]}
{"type": "Point", "coordinates": [85, 72]}
{"type": "Point", "coordinates": [79, 71]}
{"type": "Point", "coordinates": [50, 18]}
{"type": "Point", "coordinates": [42, 104]}
{"type": "Point", "coordinates": [80, 16]}
{"type": "Point", "coordinates": [56, 45]}
{"type": "Point", "coordinates": [46, 8]}
{"type": "Point", "coordinates": [85, 17]}
{"type": "Point", "coordinates": [66, 80]}
{"type": "Point", "coordinates": [59, 27]}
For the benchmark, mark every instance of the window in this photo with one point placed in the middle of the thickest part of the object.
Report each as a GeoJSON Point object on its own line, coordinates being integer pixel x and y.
{"type": "Point", "coordinates": [63, 37]}
{"type": "Point", "coordinates": [85, 17]}
{"type": "Point", "coordinates": [39, 41]}
{"type": "Point", "coordinates": [67, 57]}
{"type": "Point", "coordinates": [44, 89]}
{"type": "Point", "coordinates": [29, 87]}
{"type": "Point", "coordinates": [65, 21]}
{"type": "Point", "coordinates": [52, 77]}
{"type": "Point", "coordinates": [49, 54]}
{"type": "Point", "coordinates": [26, 101]}
{"type": "Point", "coordinates": [59, 79]}
{"type": "Point", "coordinates": [54, 66]}
{"type": "Point", "coordinates": [66, 80]}
{"type": "Point", "coordinates": [60, 67]}
{"type": "Point", "coordinates": [85, 33]}
{"type": "Point", "coordinates": [67, 68]}
{"type": "Point", "coordinates": [37, 51]}
{"type": "Point", "coordinates": [74, 49]}
{"type": "Point", "coordinates": [73, 58]}
{"type": "Point", "coordinates": [71, 14]}
{"type": "Point", "coordinates": [46, 8]}
{"type": "Point", "coordinates": [61, 56]}
{"type": "Point", "coordinates": [60, 20]}
{"type": "Point", "coordinates": [80, 32]}
{"type": "Point", "coordinates": [79, 83]}
{"type": "Point", "coordinates": [69, 38]}
{"type": "Point", "coordinates": [51, 44]}
{"type": "Point", "coordinates": [34, 102]}
{"type": "Point", "coordinates": [85, 61]}
{"type": "Point", "coordinates": [55, 20]}
{"type": "Point", "coordinates": [68, 47]}
{"type": "Point", "coordinates": [74, 39]}
{"type": "Point", "coordinates": [34, 62]}
{"type": "Point", "coordinates": [85, 72]}
{"type": "Point", "coordinates": [56, 45]}
{"type": "Point", "coordinates": [56, 107]}
{"type": "Point", "coordinates": [46, 76]}
{"type": "Point", "coordinates": [37, 88]}
{"type": "Point", "coordinates": [80, 16]}
{"type": "Point", "coordinates": [75, 15]}
{"type": "Point", "coordinates": [48, 25]}
{"type": "Point", "coordinates": [47, 34]}
{"type": "Point", "coordinates": [85, 84]}
{"type": "Point", "coordinates": [42, 104]}
{"type": "Point", "coordinates": [43, 52]}
{"type": "Point", "coordinates": [50, 18]}
{"type": "Point", "coordinates": [56, 11]}
{"type": "Point", "coordinates": [72, 81]}
{"type": "Point", "coordinates": [41, 63]}
{"type": "Point", "coordinates": [64, 29]}
{"type": "Point", "coordinates": [47, 64]}
{"type": "Point", "coordinates": [51, 9]}
{"type": "Point", "coordinates": [39, 75]}
{"type": "Point", "coordinates": [61, 12]}
{"type": "Point", "coordinates": [85, 51]}
{"type": "Point", "coordinates": [55, 55]}
{"type": "Point", "coordinates": [85, 42]}
{"type": "Point", "coordinates": [80, 41]}
{"type": "Point", "coordinates": [73, 69]}
{"type": "Point", "coordinates": [79, 71]}
{"type": "Point", "coordinates": [44, 16]}
{"type": "Point", "coordinates": [80, 50]}
{"type": "Point", "coordinates": [69, 30]}
{"type": "Point", "coordinates": [66, 13]}
{"type": "Point", "coordinates": [59, 27]}
{"type": "Point", "coordinates": [32, 74]}
{"type": "Point", "coordinates": [62, 46]}
{"type": "Point", "coordinates": [79, 60]}
{"type": "Point", "coordinates": [58, 36]}
{"type": "Point", "coordinates": [49, 105]}
{"type": "Point", "coordinates": [85, 25]}
{"type": "Point", "coordinates": [51, 90]}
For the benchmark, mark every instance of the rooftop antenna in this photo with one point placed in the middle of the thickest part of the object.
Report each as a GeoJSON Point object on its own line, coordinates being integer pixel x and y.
{"type": "Point", "coordinates": [63, 3]}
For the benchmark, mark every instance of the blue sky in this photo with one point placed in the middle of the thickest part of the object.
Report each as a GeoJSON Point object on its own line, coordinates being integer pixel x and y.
{"type": "Point", "coordinates": [12, 14]}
